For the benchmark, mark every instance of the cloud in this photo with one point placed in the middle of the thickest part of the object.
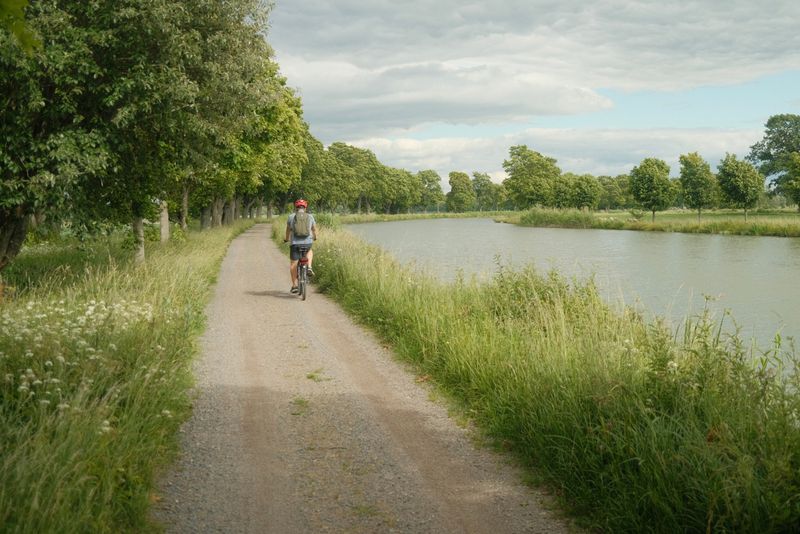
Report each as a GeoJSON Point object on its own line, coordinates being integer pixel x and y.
{"type": "Point", "coordinates": [596, 151]}
{"type": "Point", "coordinates": [361, 101]}
{"type": "Point", "coordinates": [382, 65]}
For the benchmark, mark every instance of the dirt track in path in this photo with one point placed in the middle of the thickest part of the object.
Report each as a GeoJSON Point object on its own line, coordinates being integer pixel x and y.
{"type": "Point", "coordinates": [303, 422]}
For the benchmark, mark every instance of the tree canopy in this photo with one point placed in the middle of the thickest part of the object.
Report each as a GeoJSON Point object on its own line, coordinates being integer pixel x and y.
{"type": "Point", "coordinates": [651, 186]}
{"type": "Point", "coordinates": [698, 182]}
{"type": "Point", "coordinates": [531, 177]}
{"type": "Point", "coordinates": [461, 196]}
{"type": "Point", "coordinates": [740, 182]}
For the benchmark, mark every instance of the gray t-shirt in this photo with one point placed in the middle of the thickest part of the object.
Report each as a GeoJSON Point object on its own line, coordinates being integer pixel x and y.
{"type": "Point", "coordinates": [301, 240]}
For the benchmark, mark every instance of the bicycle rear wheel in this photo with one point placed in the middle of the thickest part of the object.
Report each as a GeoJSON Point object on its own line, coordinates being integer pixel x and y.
{"type": "Point", "coordinates": [303, 282]}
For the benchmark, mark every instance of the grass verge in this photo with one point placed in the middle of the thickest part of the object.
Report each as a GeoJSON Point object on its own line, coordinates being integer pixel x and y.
{"type": "Point", "coordinates": [95, 372]}
{"type": "Point", "coordinates": [639, 429]}
{"type": "Point", "coordinates": [783, 225]}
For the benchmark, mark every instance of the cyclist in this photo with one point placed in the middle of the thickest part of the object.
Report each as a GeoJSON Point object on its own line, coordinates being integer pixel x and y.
{"type": "Point", "coordinates": [302, 234]}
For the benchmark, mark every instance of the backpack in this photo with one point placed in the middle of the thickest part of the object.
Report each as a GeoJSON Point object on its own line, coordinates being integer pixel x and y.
{"type": "Point", "coordinates": [301, 226]}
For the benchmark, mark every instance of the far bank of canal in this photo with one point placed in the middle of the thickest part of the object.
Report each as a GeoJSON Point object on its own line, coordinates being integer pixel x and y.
{"type": "Point", "coordinates": [668, 274]}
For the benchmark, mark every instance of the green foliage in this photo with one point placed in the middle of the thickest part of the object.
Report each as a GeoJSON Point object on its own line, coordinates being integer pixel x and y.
{"type": "Point", "coordinates": [127, 103]}
{"type": "Point", "coordinates": [614, 193]}
{"type": "Point", "coordinates": [366, 171]}
{"type": "Point", "coordinates": [432, 195]}
{"type": "Point", "coordinates": [587, 191]}
{"type": "Point", "coordinates": [639, 428]}
{"type": "Point", "coordinates": [569, 218]}
{"type": "Point", "coordinates": [699, 186]}
{"type": "Point", "coordinates": [791, 183]}
{"type": "Point", "coordinates": [531, 177]}
{"type": "Point", "coordinates": [461, 196]}
{"type": "Point", "coordinates": [781, 138]}
{"type": "Point", "coordinates": [651, 186]}
{"type": "Point", "coordinates": [488, 195]}
{"type": "Point", "coordinates": [12, 19]}
{"type": "Point", "coordinates": [740, 182]}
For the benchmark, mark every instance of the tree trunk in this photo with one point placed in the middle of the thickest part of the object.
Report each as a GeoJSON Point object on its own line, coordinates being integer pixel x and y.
{"type": "Point", "coordinates": [260, 209]}
{"type": "Point", "coordinates": [185, 208]}
{"type": "Point", "coordinates": [227, 212]}
{"type": "Point", "coordinates": [270, 209]}
{"type": "Point", "coordinates": [698, 215]}
{"type": "Point", "coordinates": [164, 221]}
{"type": "Point", "coordinates": [216, 212]}
{"type": "Point", "coordinates": [205, 218]}
{"type": "Point", "coordinates": [13, 229]}
{"type": "Point", "coordinates": [745, 215]}
{"type": "Point", "coordinates": [654, 215]}
{"type": "Point", "coordinates": [138, 238]}
{"type": "Point", "coordinates": [248, 208]}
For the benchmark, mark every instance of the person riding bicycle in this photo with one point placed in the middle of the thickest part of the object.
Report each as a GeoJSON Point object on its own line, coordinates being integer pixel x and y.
{"type": "Point", "coordinates": [301, 228]}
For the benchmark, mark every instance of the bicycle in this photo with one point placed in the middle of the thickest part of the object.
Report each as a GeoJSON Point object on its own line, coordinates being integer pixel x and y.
{"type": "Point", "coordinates": [302, 272]}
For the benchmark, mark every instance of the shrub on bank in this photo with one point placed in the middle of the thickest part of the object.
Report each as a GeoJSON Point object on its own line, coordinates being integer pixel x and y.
{"type": "Point", "coordinates": [638, 428]}
{"type": "Point", "coordinates": [95, 373]}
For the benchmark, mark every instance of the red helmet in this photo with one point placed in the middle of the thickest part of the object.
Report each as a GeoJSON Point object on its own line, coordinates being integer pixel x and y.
{"type": "Point", "coordinates": [300, 203]}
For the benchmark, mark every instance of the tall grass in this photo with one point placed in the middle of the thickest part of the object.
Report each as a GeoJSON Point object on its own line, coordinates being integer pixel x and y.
{"type": "Point", "coordinates": [639, 429]}
{"type": "Point", "coordinates": [95, 374]}
{"type": "Point", "coordinates": [785, 225]}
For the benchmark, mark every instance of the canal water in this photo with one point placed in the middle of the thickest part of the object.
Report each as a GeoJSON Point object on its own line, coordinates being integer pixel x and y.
{"type": "Point", "coordinates": [667, 274]}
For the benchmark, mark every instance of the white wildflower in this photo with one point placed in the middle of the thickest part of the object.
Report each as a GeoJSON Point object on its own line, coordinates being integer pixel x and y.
{"type": "Point", "coordinates": [672, 367]}
{"type": "Point", "coordinates": [63, 406]}
{"type": "Point", "coordinates": [44, 402]}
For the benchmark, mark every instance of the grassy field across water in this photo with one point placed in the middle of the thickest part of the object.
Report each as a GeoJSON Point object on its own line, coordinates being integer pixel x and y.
{"type": "Point", "coordinates": [772, 223]}
{"type": "Point", "coordinates": [637, 428]}
{"type": "Point", "coordinates": [95, 367]}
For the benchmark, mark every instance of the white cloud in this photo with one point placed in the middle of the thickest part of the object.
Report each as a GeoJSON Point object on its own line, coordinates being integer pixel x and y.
{"type": "Point", "coordinates": [376, 72]}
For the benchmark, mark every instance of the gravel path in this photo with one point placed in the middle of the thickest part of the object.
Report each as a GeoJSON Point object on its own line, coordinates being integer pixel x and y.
{"type": "Point", "coordinates": [303, 422]}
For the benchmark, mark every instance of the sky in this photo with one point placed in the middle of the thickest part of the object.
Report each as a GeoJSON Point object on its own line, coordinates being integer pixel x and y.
{"type": "Point", "coordinates": [598, 85]}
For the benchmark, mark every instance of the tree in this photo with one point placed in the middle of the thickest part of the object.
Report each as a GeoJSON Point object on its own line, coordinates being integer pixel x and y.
{"type": "Point", "coordinates": [651, 186]}
{"type": "Point", "coordinates": [461, 196]}
{"type": "Point", "coordinates": [612, 195]}
{"type": "Point", "coordinates": [48, 144]}
{"type": "Point", "coordinates": [698, 182]}
{"type": "Point", "coordinates": [100, 121]}
{"type": "Point", "coordinates": [771, 154]}
{"type": "Point", "coordinates": [325, 181]}
{"type": "Point", "coordinates": [587, 191]}
{"type": "Point", "coordinates": [432, 195]}
{"type": "Point", "coordinates": [792, 182]}
{"type": "Point", "coordinates": [531, 177]}
{"type": "Point", "coordinates": [740, 182]}
{"type": "Point", "coordinates": [564, 191]}
{"type": "Point", "coordinates": [488, 195]}
{"type": "Point", "coordinates": [367, 171]}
